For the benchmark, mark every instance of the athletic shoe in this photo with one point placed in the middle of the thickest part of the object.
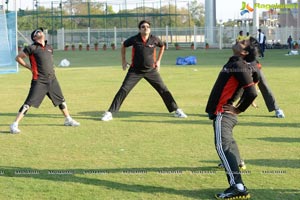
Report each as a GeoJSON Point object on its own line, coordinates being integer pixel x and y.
{"type": "Point", "coordinates": [14, 128]}
{"type": "Point", "coordinates": [71, 122]}
{"type": "Point", "coordinates": [279, 113]}
{"type": "Point", "coordinates": [180, 114]}
{"type": "Point", "coordinates": [107, 116]}
{"type": "Point", "coordinates": [233, 193]}
{"type": "Point", "coordinates": [242, 165]}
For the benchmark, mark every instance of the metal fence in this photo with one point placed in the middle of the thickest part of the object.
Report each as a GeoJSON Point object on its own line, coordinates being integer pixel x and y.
{"type": "Point", "coordinates": [224, 37]}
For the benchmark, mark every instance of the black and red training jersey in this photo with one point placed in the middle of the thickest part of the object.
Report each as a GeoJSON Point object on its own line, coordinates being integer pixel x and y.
{"type": "Point", "coordinates": [233, 76]}
{"type": "Point", "coordinates": [41, 60]}
{"type": "Point", "coordinates": [143, 52]}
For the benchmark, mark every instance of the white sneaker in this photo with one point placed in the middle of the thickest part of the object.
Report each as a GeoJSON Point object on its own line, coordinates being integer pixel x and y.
{"type": "Point", "coordinates": [14, 128]}
{"type": "Point", "coordinates": [71, 122]}
{"type": "Point", "coordinates": [180, 114]}
{"type": "Point", "coordinates": [279, 113]}
{"type": "Point", "coordinates": [107, 116]}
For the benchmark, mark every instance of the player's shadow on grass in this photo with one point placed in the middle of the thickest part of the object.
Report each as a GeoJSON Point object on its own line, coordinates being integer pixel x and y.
{"type": "Point", "coordinates": [125, 114]}
{"type": "Point", "coordinates": [94, 115]}
{"type": "Point", "coordinates": [258, 116]}
{"type": "Point", "coordinates": [50, 175]}
{"type": "Point", "coordinates": [160, 117]}
{"type": "Point", "coordinates": [172, 121]}
{"type": "Point", "coordinates": [33, 115]}
{"type": "Point", "coordinates": [7, 131]}
{"type": "Point", "coordinates": [268, 124]}
{"type": "Point", "coordinates": [277, 163]}
{"type": "Point", "coordinates": [279, 139]}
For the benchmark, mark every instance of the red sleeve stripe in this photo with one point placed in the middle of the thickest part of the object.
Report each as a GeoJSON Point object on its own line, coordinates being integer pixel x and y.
{"type": "Point", "coordinates": [132, 56]}
{"type": "Point", "coordinates": [227, 92]}
{"type": "Point", "coordinates": [154, 57]}
{"type": "Point", "coordinates": [34, 70]}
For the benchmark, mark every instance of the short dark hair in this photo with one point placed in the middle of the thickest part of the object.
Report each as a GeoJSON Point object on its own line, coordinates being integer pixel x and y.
{"type": "Point", "coordinates": [259, 30]}
{"type": "Point", "coordinates": [142, 22]}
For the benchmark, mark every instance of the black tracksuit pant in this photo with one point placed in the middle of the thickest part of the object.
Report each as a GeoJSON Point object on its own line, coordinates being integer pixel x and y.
{"type": "Point", "coordinates": [265, 90]}
{"type": "Point", "coordinates": [132, 78]}
{"type": "Point", "coordinates": [267, 93]}
{"type": "Point", "coordinates": [226, 146]}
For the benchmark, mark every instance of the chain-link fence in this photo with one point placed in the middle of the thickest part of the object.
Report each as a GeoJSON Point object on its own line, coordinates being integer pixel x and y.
{"type": "Point", "coordinates": [224, 37]}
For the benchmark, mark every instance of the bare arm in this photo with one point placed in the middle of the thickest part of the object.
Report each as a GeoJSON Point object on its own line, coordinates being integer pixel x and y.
{"type": "Point", "coordinates": [160, 54]}
{"type": "Point", "coordinates": [20, 59]}
{"type": "Point", "coordinates": [231, 109]}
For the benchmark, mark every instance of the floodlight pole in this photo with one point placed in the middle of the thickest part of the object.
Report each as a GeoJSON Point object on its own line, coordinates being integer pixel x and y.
{"type": "Point", "coordinates": [255, 21]}
{"type": "Point", "coordinates": [210, 20]}
{"type": "Point", "coordinates": [175, 13]}
{"type": "Point", "coordinates": [89, 12]}
{"type": "Point", "coordinates": [52, 22]}
{"type": "Point", "coordinates": [220, 34]}
{"type": "Point", "coordinates": [298, 22]}
{"type": "Point", "coordinates": [126, 13]}
{"type": "Point", "coordinates": [160, 14]}
{"type": "Point", "coordinates": [71, 20]}
{"type": "Point", "coordinates": [144, 9]}
{"type": "Point", "coordinates": [16, 25]}
{"type": "Point", "coordinates": [61, 13]}
{"type": "Point", "coordinates": [37, 12]}
{"type": "Point", "coordinates": [6, 2]}
{"type": "Point", "coordinates": [105, 22]}
{"type": "Point", "coordinates": [33, 14]}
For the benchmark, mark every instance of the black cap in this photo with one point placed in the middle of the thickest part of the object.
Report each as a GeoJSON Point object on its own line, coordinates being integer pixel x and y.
{"type": "Point", "coordinates": [35, 32]}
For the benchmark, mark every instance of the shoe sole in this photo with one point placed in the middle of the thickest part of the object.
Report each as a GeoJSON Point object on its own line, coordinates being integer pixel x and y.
{"type": "Point", "coordinates": [14, 132]}
{"type": "Point", "coordinates": [235, 198]}
{"type": "Point", "coordinates": [106, 120]}
{"type": "Point", "coordinates": [180, 116]}
{"type": "Point", "coordinates": [72, 125]}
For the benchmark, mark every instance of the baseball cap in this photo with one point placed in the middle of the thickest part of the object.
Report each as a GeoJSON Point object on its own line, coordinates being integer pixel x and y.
{"type": "Point", "coordinates": [35, 32]}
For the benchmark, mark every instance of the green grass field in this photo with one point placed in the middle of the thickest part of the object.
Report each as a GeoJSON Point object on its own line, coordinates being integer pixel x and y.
{"type": "Point", "coordinates": [145, 153]}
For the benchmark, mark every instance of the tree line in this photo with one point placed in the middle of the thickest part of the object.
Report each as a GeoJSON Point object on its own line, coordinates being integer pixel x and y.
{"type": "Point", "coordinates": [80, 14]}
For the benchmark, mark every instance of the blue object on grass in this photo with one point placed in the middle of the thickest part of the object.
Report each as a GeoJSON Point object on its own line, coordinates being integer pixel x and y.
{"type": "Point", "coordinates": [189, 60]}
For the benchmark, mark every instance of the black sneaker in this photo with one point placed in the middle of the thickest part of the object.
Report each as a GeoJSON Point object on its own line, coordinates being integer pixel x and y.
{"type": "Point", "coordinates": [233, 193]}
{"type": "Point", "coordinates": [242, 165]}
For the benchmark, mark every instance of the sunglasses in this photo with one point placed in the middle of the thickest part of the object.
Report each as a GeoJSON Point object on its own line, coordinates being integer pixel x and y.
{"type": "Point", "coordinates": [145, 26]}
{"type": "Point", "coordinates": [36, 32]}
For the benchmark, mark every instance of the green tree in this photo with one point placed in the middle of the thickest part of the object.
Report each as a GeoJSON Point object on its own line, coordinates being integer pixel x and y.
{"type": "Point", "coordinates": [197, 13]}
{"type": "Point", "coordinates": [80, 14]}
